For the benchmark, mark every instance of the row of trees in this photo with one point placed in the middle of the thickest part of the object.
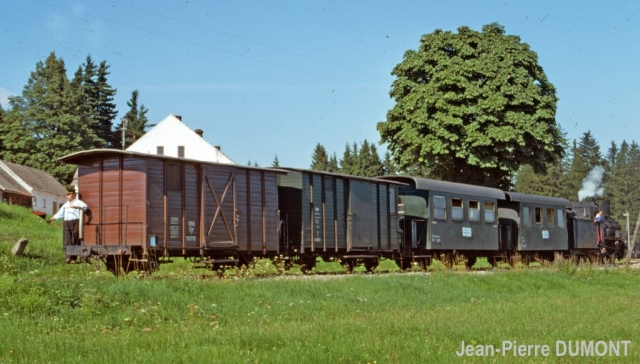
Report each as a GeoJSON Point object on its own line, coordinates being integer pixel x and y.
{"type": "Point", "coordinates": [356, 160]}
{"type": "Point", "coordinates": [617, 182]}
{"type": "Point", "coordinates": [55, 116]}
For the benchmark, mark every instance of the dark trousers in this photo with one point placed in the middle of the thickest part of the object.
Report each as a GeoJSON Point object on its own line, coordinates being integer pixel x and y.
{"type": "Point", "coordinates": [70, 233]}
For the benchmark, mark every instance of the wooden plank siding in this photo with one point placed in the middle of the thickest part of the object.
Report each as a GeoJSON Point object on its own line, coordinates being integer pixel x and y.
{"type": "Point", "coordinates": [189, 207]}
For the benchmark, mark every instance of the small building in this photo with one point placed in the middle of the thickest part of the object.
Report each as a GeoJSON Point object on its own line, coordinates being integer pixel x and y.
{"type": "Point", "coordinates": [30, 187]}
{"type": "Point", "coordinates": [172, 138]}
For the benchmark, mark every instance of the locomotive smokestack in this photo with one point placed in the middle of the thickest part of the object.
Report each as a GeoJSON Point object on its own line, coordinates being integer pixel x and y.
{"type": "Point", "coordinates": [605, 207]}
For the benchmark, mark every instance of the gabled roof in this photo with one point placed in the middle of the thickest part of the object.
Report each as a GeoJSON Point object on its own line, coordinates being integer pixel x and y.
{"type": "Point", "coordinates": [9, 184]}
{"type": "Point", "coordinates": [36, 179]}
{"type": "Point", "coordinates": [170, 133]}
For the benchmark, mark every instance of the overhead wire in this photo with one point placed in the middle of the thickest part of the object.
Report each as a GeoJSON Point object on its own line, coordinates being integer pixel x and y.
{"type": "Point", "coordinates": [246, 39]}
{"type": "Point", "coordinates": [206, 45]}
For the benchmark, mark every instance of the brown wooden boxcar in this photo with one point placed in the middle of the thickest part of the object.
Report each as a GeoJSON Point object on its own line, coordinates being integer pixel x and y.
{"type": "Point", "coordinates": [147, 206]}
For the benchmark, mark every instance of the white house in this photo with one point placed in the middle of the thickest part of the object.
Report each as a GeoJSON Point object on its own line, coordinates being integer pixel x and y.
{"type": "Point", "coordinates": [172, 137]}
{"type": "Point", "coordinates": [30, 187]}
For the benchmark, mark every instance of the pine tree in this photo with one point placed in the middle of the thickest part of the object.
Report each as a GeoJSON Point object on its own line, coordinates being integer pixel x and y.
{"type": "Point", "coordinates": [319, 158]}
{"type": "Point", "coordinates": [105, 111]}
{"type": "Point", "coordinates": [134, 121]}
{"type": "Point", "coordinates": [45, 122]}
{"type": "Point", "coordinates": [1, 127]}
{"type": "Point", "coordinates": [333, 164]}
{"type": "Point", "coordinates": [347, 161]}
{"type": "Point", "coordinates": [622, 188]}
{"type": "Point", "coordinates": [370, 164]}
{"type": "Point", "coordinates": [388, 165]}
{"type": "Point", "coordinates": [276, 162]}
{"type": "Point", "coordinates": [586, 156]}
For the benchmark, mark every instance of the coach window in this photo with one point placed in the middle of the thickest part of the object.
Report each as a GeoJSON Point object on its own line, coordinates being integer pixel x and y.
{"type": "Point", "coordinates": [456, 209]}
{"type": "Point", "coordinates": [560, 218]}
{"type": "Point", "coordinates": [526, 220]}
{"type": "Point", "coordinates": [538, 216]}
{"type": "Point", "coordinates": [550, 222]}
{"type": "Point", "coordinates": [474, 210]}
{"type": "Point", "coordinates": [392, 199]}
{"type": "Point", "coordinates": [489, 212]}
{"type": "Point", "coordinates": [439, 207]}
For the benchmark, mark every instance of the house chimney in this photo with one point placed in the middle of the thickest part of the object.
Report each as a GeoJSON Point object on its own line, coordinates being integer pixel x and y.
{"type": "Point", "coordinates": [179, 117]}
{"type": "Point", "coordinates": [199, 132]}
{"type": "Point", "coordinates": [217, 147]}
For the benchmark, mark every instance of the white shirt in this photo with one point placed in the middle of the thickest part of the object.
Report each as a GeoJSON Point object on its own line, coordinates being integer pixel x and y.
{"type": "Point", "coordinates": [68, 210]}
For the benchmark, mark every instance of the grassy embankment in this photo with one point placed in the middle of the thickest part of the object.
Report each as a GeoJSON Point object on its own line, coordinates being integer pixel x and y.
{"type": "Point", "coordinates": [53, 312]}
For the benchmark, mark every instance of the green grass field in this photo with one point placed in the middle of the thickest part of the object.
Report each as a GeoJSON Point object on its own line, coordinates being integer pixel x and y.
{"type": "Point", "coordinates": [51, 312]}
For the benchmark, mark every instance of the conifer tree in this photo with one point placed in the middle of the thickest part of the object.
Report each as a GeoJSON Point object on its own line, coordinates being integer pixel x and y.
{"type": "Point", "coordinates": [1, 127]}
{"type": "Point", "coordinates": [276, 161]}
{"type": "Point", "coordinates": [586, 156]}
{"type": "Point", "coordinates": [134, 121]}
{"type": "Point", "coordinates": [105, 111]}
{"type": "Point", "coordinates": [44, 123]}
{"type": "Point", "coordinates": [319, 158]}
{"type": "Point", "coordinates": [388, 165]}
{"type": "Point", "coordinates": [333, 164]}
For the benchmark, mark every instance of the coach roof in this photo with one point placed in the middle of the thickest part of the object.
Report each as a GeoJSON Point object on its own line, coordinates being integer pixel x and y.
{"type": "Point", "coordinates": [448, 187]}
{"type": "Point", "coordinates": [542, 200]}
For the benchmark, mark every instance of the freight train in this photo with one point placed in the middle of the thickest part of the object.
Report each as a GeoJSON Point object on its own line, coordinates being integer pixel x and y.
{"type": "Point", "coordinates": [146, 209]}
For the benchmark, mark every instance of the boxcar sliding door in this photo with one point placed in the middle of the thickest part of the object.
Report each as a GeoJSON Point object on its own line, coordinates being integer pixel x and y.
{"type": "Point", "coordinates": [219, 206]}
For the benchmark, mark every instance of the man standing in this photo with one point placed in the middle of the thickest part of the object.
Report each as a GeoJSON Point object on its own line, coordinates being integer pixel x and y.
{"type": "Point", "coordinates": [72, 211]}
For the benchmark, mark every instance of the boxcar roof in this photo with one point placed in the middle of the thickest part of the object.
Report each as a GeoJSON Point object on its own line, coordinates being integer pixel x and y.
{"type": "Point", "coordinates": [448, 187]}
{"type": "Point", "coordinates": [542, 200]}
{"type": "Point", "coordinates": [347, 176]}
{"type": "Point", "coordinates": [79, 157]}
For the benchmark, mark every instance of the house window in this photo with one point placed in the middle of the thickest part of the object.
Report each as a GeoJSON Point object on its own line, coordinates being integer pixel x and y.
{"type": "Point", "coordinates": [181, 151]}
{"type": "Point", "coordinates": [44, 203]}
{"type": "Point", "coordinates": [160, 150]}
{"type": "Point", "coordinates": [439, 207]}
{"type": "Point", "coordinates": [456, 209]}
{"type": "Point", "coordinates": [474, 211]}
{"type": "Point", "coordinates": [489, 212]}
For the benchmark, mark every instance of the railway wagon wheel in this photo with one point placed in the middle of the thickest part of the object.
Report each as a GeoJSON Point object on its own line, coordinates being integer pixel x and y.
{"type": "Point", "coordinates": [371, 264]}
{"type": "Point", "coordinates": [403, 263]}
{"type": "Point", "coordinates": [470, 262]}
{"type": "Point", "coordinates": [448, 260]}
{"type": "Point", "coordinates": [117, 264]}
{"type": "Point", "coordinates": [307, 264]}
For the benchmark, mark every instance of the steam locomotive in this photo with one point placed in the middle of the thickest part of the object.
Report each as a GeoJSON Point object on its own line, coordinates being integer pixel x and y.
{"type": "Point", "coordinates": [148, 208]}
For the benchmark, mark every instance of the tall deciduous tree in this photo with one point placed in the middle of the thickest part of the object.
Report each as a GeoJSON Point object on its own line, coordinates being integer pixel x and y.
{"type": "Point", "coordinates": [135, 121]}
{"type": "Point", "coordinates": [472, 107]}
{"type": "Point", "coordinates": [44, 123]}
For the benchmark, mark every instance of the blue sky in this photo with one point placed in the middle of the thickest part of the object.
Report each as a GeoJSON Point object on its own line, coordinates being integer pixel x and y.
{"type": "Point", "coordinates": [277, 77]}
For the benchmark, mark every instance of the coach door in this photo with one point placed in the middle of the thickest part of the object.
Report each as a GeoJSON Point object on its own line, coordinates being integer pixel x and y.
{"type": "Point", "coordinates": [175, 189]}
{"type": "Point", "coordinates": [220, 218]}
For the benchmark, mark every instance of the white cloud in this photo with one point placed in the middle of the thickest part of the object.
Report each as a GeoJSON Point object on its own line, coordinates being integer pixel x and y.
{"type": "Point", "coordinates": [4, 97]}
